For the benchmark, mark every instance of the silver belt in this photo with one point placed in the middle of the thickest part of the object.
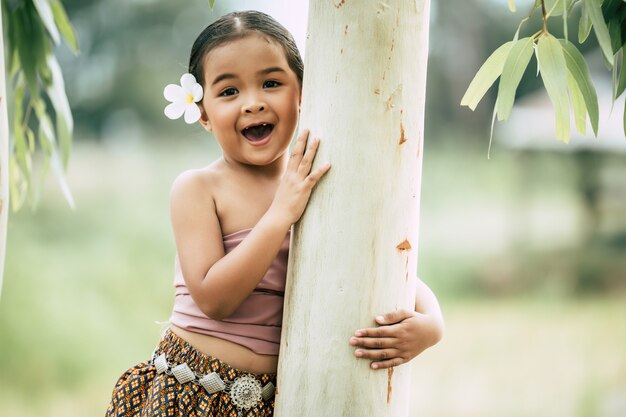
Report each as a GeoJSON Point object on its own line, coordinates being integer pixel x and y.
{"type": "Point", "coordinates": [245, 391]}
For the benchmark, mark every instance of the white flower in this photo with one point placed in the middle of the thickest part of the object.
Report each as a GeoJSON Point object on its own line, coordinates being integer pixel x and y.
{"type": "Point", "coordinates": [183, 99]}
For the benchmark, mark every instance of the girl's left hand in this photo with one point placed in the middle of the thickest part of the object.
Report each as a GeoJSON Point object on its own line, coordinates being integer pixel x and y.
{"type": "Point", "coordinates": [402, 335]}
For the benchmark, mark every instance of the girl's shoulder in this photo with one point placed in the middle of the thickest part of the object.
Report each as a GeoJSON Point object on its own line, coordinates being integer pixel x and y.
{"type": "Point", "coordinates": [197, 183]}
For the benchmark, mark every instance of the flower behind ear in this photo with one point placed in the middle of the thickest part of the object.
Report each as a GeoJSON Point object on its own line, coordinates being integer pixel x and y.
{"type": "Point", "coordinates": [183, 99]}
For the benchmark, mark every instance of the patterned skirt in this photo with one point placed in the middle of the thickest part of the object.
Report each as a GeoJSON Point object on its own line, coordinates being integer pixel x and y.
{"type": "Point", "coordinates": [143, 392]}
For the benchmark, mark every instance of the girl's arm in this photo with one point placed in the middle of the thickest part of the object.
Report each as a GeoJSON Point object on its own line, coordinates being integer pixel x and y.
{"type": "Point", "coordinates": [219, 282]}
{"type": "Point", "coordinates": [402, 334]}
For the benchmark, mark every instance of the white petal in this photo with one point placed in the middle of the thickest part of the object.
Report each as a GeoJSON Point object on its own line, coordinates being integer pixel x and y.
{"type": "Point", "coordinates": [173, 92]}
{"type": "Point", "coordinates": [197, 92]}
{"type": "Point", "coordinates": [175, 110]}
{"type": "Point", "coordinates": [187, 81]}
{"type": "Point", "coordinates": [192, 113]}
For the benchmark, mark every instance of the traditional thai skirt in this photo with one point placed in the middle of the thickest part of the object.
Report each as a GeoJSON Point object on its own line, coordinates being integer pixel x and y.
{"type": "Point", "coordinates": [181, 381]}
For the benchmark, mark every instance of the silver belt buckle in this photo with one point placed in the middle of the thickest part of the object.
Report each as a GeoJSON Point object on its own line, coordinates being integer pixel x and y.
{"type": "Point", "coordinates": [212, 383]}
{"type": "Point", "coordinates": [245, 392]}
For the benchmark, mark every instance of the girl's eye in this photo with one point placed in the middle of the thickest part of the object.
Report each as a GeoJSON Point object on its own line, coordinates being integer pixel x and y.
{"type": "Point", "coordinates": [228, 92]}
{"type": "Point", "coordinates": [271, 84]}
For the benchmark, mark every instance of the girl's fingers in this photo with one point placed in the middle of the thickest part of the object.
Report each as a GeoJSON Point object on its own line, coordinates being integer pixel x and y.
{"type": "Point", "coordinates": [298, 150]}
{"type": "Point", "coordinates": [374, 342]}
{"type": "Point", "coordinates": [315, 176]}
{"type": "Point", "coordinates": [394, 317]}
{"type": "Point", "coordinates": [390, 363]}
{"type": "Point", "coordinates": [384, 331]}
{"type": "Point", "coordinates": [377, 354]}
{"type": "Point", "coordinates": [309, 156]}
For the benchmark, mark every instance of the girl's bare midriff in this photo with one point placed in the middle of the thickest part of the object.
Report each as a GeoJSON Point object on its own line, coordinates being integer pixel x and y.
{"type": "Point", "coordinates": [235, 355]}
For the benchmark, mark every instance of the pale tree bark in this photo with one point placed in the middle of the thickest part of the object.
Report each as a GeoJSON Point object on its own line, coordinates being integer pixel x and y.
{"type": "Point", "coordinates": [4, 157]}
{"type": "Point", "coordinates": [354, 252]}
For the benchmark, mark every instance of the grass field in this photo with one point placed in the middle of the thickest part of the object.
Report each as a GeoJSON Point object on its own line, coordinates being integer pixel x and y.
{"type": "Point", "coordinates": [83, 290]}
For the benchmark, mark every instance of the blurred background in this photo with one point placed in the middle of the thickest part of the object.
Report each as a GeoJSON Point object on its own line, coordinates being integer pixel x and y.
{"type": "Point", "coordinates": [525, 250]}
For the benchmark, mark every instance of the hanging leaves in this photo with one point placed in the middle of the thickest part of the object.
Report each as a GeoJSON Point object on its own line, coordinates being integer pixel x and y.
{"type": "Point", "coordinates": [621, 80]}
{"type": "Point", "coordinates": [486, 76]}
{"type": "Point", "coordinates": [563, 69]}
{"type": "Point", "coordinates": [584, 25]}
{"type": "Point", "coordinates": [34, 26]}
{"type": "Point", "coordinates": [514, 67]}
{"type": "Point", "coordinates": [578, 104]}
{"type": "Point", "coordinates": [579, 73]}
{"type": "Point", "coordinates": [551, 64]}
{"type": "Point", "coordinates": [64, 25]}
{"type": "Point", "coordinates": [592, 8]}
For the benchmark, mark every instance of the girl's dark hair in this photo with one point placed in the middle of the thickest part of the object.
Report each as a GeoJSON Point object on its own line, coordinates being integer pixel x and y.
{"type": "Point", "coordinates": [237, 25]}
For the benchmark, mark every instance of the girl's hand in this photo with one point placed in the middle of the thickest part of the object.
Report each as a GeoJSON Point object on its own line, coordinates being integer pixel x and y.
{"type": "Point", "coordinates": [298, 181]}
{"type": "Point", "coordinates": [402, 335]}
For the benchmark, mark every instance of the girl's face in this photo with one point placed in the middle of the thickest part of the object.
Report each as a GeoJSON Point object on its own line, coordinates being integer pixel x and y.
{"type": "Point", "coordinates": [251, 100]}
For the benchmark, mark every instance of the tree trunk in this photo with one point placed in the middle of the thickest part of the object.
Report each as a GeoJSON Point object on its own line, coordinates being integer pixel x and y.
{"type": "Point", "coordinates": [4, 157]}
{"type": "Point", "coordinates": [354, 252]}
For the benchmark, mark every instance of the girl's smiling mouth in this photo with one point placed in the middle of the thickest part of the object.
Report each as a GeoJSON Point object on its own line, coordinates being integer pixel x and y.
{"type": "Point", "coordinates": [258, 134]}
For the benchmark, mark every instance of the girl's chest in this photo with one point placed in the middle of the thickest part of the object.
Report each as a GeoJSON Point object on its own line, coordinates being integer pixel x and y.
{"type": "Point", "coordinates": [240, 206]}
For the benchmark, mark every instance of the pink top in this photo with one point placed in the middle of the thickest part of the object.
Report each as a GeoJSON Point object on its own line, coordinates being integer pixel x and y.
{"type": "Point", "coordinates": [256, 323]}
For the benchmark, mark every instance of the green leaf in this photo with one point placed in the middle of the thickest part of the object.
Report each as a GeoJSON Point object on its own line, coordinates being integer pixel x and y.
{"type": "Point", "coordinates": [600, 28]}
{"type": "Point", "coordinates": [565, 31]}
{"type": "Point", "coordinates": [64, 25]}
{"type": "Point", "coordinates": [10, 42]}
{"type": "Point", "coordinates": [493, 122]}
{"type": "Point", "coordinates": [554, 7]}
{"type": "Point", "coordinates": [577, 68]}
{"type": "Point", "coordinates": [28, 45]}
{"type": "Point", "coordinates": [514, 68]}
{"type": "Point", "coordinates": [57, 169]}
{"type": "Point", "coordinates": [584, 25]}
{"type": "Point", "coordinates": [211, 4]}
{"type": "Point", "coordinates": [558, 7]}
{"type": "Point", "coordinates": [16, 186]}
{"type": "Point", "coordinates": [524, 20]}
{"type": "Point", "coordinates": [65, 122]}
{"type": "Point", "coordinates": [45, 13]}
{"type": "Point", "coordinates": [621, 81]}
{"type": "Point", "coordinates": [609, 8]}
{"type": "Point", "coordinates": [578, 103]}
{"type": "Point", "coordinates": [20, 150]}
{"type": "Point", "coordinates": [615, 34]}
{"type": "Point", "coordinates": [486, 76]}
{"type": "Point", "coordinates": [47, 139]}
{"type": "Point", "coordinates": [553, 74]}
{"type": "Point", "coordinates": [31, 140]}
{"type": "Point", "coordinates": [512, 6]}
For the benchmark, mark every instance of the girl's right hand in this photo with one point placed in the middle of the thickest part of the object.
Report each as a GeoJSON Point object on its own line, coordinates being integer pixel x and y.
{"type": "Point", "coordinates": [298, 181]}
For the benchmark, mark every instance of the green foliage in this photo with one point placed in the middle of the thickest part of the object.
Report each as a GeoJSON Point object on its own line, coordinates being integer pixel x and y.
{"type": "Point", "coordinates": [562, 67]}
{"type": "Point", "coordinates": [486, 76]}
{"type": "Point", "coordinates": [551, 65]}
{"type": "Point", "coordinates": [592, 8]}
{"type": "Point", "coordinates": [579, 81]}
{"type": "Point", "coordinates": [514, 67]}
{"type": "Point", "coordinates": [34, 27]}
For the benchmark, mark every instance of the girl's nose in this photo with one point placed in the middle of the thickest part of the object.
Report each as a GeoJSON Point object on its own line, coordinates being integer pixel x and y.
{"type": "Point", "coordinates": [254, 107]}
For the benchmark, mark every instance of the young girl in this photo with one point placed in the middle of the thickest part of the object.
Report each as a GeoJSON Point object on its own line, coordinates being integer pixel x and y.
{"type": "Point", "coordinates": [231, 223]}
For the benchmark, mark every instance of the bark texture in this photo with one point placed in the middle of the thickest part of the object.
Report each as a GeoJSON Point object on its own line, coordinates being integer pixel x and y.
{"type": "Point", "coordinates": [354, 252]}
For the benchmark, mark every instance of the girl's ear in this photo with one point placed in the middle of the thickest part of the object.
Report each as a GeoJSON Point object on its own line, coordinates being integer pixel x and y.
{"type": "Point", "coordinates": [204, 119]}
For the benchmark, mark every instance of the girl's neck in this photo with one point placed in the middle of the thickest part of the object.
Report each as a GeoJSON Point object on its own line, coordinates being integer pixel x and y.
{"type": "Point", "coordinates": [271, 171]}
